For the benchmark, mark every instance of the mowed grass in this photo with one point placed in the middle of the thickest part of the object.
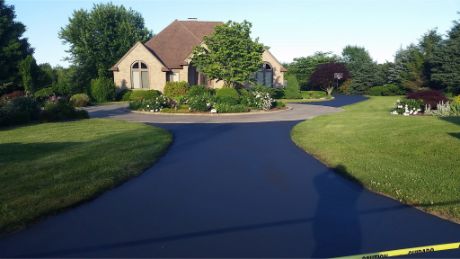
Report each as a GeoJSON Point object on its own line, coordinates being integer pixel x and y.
{"type": "Point", "coordinates": [413, 159]}
{"type": "Point", "coordinates": [47, 167]}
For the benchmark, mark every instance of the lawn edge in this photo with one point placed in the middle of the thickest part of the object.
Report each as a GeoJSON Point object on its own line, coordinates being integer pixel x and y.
{"type": "Point", "coordinates": [352, 178]}
{"type": "Point", "coordinates": [19, 227]}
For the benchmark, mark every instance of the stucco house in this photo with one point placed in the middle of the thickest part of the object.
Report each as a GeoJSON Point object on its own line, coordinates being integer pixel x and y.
{"type": "Point", "coordinates": [167, 55]}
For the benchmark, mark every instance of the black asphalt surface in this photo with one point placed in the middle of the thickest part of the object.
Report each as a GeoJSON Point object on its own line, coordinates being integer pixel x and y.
{"type": "Point", "coordinates": [233, 190]}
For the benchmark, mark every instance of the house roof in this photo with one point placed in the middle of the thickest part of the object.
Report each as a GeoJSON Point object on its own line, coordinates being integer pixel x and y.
{"type": "Point", "coordinates": [176, 42]}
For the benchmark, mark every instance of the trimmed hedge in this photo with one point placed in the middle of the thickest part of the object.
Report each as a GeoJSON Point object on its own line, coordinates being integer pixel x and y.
{"type": "Point", "coordinates": [229, 108]}
{"type": "Point", "coordinates": [175, 89]}
{"type": "Point", "coordinates": [20, 110]}
{"type": "Point", "coordinates": [61, 111]}
{"type": "Point", "coordinates": [137, 95]}
{"type": "Point", "coordinates": [292, 90]}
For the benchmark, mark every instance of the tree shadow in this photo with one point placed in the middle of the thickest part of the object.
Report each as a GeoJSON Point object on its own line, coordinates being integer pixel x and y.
{"type": "Point", "coordinates": [336, 228]}
{"type": "Point", "coordinates": [17, 152]}
{"type": "Point", "coordinates": [455, 134]}
{"type": "Point", "coordinates": [454, 120]}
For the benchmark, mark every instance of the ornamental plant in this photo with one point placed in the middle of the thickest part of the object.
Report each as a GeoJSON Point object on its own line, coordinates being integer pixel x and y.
{"type": "Point", "coordinates": [407, 107]}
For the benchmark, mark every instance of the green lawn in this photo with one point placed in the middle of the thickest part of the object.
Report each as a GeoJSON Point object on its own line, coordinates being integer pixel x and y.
{"type": "Point", "coordinates": [47, 167]}
{"type": "Point", "coordinates": [413, 159]}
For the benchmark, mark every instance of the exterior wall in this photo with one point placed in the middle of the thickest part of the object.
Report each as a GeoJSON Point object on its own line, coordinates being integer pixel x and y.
{"type": "Point", "coordinates": [122, 77]}
{"type": "Point", "coordinates": [278, 76]}
{"type": "Point", "coordinates": [183, 73]}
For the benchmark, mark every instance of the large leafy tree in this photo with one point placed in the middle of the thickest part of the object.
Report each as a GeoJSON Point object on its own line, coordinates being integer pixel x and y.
{"type": "Point", "coordinates": [98, 38]}
{"type": "Point", "coordinates": [446, 61]}
{"type": "Point", "coordinates": [363, 70]}
{"type": "Point", "coordinates": [303, 67]}
{"type": "Point", "coordinates": [229, 54]}
{"type": "Point", "coordinates": [328, 76]}
{"type": "Point", "coordinates": [13, 46]}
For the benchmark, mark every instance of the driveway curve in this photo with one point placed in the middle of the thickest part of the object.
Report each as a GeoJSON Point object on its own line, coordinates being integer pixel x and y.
{"type": "Point", "coordinates": [233, 190]}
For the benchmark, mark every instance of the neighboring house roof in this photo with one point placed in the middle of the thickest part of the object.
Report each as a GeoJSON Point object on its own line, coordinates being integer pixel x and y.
{"type": "Point", "coordinates": [176, 42]}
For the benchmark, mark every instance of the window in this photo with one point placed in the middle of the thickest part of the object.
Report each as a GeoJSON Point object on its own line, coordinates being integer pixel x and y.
{"type": "Point", "coordinates": [265, 75]}
{"type": "Point", "coordinates": [174, 77]}
{"type": "Point", "coordinates": [139, 75]}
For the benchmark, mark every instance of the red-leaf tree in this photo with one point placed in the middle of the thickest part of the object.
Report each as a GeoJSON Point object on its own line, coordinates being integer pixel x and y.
{"type": "Point", "coordinates": [328, 76]}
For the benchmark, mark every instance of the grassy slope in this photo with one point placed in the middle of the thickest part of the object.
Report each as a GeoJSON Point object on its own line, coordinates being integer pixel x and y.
{"type": "Point", "coordinates": [47, 167]}
{"type": "Point", "coordinates": [413, 159]}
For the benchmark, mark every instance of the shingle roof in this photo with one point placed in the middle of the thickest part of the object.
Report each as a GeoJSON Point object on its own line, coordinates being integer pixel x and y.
{"type": "Point", "coordinates": [175, 42]}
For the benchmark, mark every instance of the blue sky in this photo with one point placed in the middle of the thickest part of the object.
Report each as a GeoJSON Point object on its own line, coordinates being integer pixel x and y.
{"type": "Point", "coordinates": [292, 28]}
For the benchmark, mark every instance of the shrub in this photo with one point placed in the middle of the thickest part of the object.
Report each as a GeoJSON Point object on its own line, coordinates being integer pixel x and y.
{"type": "Point", "coordinates": [199, 90]}
{"type": "Point", "coordinates": [19, 110]}
{"type": "Point", "coordinates": [44, 93]}
{"type": "Point", "coordinates": [277, 93]}
{"type": "Point", "coordinates": [444, 109]}
{"type": "Point", "coordinates": [313, 94]}
{"type": "Point", "coordinates": [227, 108]}
{"type": "Point", "coordinates": [345, 88]}
{"type": "Point", "coordinates": [278, 104]}
{"type": "Point", "coordinates": [175, 89]}
{"type": "Point", "coordinates": [385, 90]}
{"type": "Point", "coordinates": [292, 90]}
{"type": "Point", "coordinates": [408, 107]}
{"type": "Point", "coordinates": [153, 104]}
{"type": "Point", "coordinates": [142, 94]}
{"type": "Point", "coordinates": [429, 97]}
{"type": "Point", "coordinates": [262, 101]}
{"type": "Point", "coordinates": [79, 100]}
{"type": "Point", "coordinates": [456, 100]}
{"type": "Point", "coordinates": [102, 89]}
{"type": "Point", "coordinates": [13, 95]}
{"type": "Point", "coordinates": [61, 110]}
{"type": "Point", "coordinates": [123, 94]}
{"type": "Point", "coordinates": [200, 103]}
{"type": "Point", "coordinates": [227, 95]}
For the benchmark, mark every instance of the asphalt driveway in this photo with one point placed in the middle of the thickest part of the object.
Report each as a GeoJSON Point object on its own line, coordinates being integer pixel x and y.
{"type": "Point", "coordinates": [233, 190]}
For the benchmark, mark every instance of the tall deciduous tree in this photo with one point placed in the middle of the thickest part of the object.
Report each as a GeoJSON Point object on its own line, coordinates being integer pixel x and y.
{"type": "Point", "coordinates": [363, 69]}
{"type": "Point", "coordinates": [303, 67]}
{"type": "Point", "coordinates": [229, 54]}
{"type": "Point", "coordinates": [328, 76]}
{"type": "Point", "coordinates": [98, 38]}
{"type": "Point", "coordinates": [13, 47]}
{"type": "Point", "coordinates": [446, 61]}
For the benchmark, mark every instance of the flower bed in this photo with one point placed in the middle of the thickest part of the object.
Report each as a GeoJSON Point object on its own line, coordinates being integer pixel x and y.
{"type": "Point", "coordinates": [202, 99]}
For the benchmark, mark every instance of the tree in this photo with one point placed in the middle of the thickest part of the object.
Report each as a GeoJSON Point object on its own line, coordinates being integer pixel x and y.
{"type": "Point", "coordinates": [13, 47]}
{"type": "Point", "coordinates": [28, 70]}
{"type": "Point", "coordinates": [446, 61]}
{"type": "Point", "coordinates": [409, 64]}
{"type": "Point", "coordinates": [328, 76]}
{"type": "Point", "coordinates": [428, 44]}
{"type": "Point", "coordinates": [303, 67]}
{"type": "Point", "coordinates": [292, 90]}
{"type": "Point", "coordinates": [229, 54]}
{"type": "Point", "coordinates": [363, 69]}
{"type": "Point", "coordinates": [100, 37]}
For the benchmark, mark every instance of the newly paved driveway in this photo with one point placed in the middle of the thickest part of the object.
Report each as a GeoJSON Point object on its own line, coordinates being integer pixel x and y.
{"type": "Point", "coordinates": [233, 190]}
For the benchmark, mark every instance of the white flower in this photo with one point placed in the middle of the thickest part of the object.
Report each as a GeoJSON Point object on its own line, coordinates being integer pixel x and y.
{"type": "Point", "coordinates": [213, 111]}
{"type": "Point", "coordinates": [394, 112]}
{"type": "Point", "coordinates": [151, 110]}
{"type": "Point", "coordinates": [148, 106]}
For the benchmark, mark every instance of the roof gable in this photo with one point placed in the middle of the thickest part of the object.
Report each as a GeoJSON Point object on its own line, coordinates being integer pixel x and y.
{"type": "Point", "coordinates": [175, 43]}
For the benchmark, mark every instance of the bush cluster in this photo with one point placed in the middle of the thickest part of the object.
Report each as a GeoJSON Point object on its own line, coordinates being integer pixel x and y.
{"type": "Point", "coordinates": [140, 95]}
{"type": "Point", "coordinates": [23, 110]}
{"type": "Point", "coordinates": [386, 90]}
{"type": "Point", "coordinates": [428, 97]}
{"type": "Point", "coordinates": [202, 99]}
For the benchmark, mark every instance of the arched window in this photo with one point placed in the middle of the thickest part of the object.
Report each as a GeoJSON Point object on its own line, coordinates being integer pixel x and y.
{"type": "Point", "coordinates": [265, 75]}
{"type": "Point", "coordinates": [139, 75]}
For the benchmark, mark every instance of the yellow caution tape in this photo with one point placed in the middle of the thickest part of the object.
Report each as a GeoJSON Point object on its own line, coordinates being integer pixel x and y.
{"type": "Point", "coordinates": [407, 251]}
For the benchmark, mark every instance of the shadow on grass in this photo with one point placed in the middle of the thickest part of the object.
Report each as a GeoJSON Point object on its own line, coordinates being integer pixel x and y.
{"type": "Point", "coordinates": [17, 152]}
{"type": "Point", "coordinates": [454, 120]}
